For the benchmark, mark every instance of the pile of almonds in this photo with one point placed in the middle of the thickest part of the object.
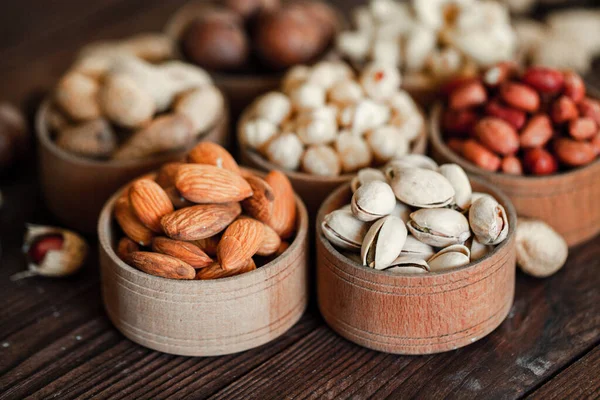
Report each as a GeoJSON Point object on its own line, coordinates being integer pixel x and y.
{"type": "Point", "coordinates": [122, 101]}
{"type": "Point", "coordinates": [206, 218]}
{"type": "Point", "coordinates": [415, 217]}
{"type": "Point", "coordinates": [326, 121]}
{"type": "Point", "coordinates": [240, 34]}
{"type": "Point", "coordinates": [530, 123]}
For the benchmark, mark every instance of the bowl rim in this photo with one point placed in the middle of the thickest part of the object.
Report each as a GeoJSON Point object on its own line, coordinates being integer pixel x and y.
{"type": "Point", "coordinates": [488, 188]}
{"type": "Point", "coordinates": [43, 136]}
{"type": "Point", "coordinates": [435, 138]}
{"type": "Point", "coordinates": [106, 221]}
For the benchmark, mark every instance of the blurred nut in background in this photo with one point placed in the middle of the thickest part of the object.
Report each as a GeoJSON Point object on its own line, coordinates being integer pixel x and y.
{"type": "Point", "coordinates": [14, 137]}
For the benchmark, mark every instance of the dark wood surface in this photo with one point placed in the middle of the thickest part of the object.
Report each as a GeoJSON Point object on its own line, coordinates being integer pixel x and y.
{"type": "Point", "coordinates": [56, 342]}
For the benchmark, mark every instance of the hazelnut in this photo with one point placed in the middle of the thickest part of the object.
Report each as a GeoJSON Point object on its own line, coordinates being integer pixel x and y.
{"type": "Point", "coordinates": [216, 43]}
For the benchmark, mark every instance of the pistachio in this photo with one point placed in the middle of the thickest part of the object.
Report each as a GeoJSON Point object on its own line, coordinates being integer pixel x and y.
{"type": "Point", "coordinates": [478, 250]}
{"type": "Point", "coordinates": [439, 227]}
{"type": "Point", "coordinates": [488, 220]}
{"type": "Point", "coordinates": [401, 211]}
{"type": "Point", "coordinates": [383, 243]}
{"type": "Point", "coordinates": [448, 259]}
{"type": "Point", "coordinates": [460, 182]}
{"type": "Point", "coordinates": [414, 248]}
{"type": "Point", "coordinates": [366, 175]}
{"type": "Point", "coordinates": [420, 187]}
{"type": "Point", "coordinates": [477, 195]}
{"type": "Point", "coordinates": [373, 200]}
{"type": "Point", "coordinates": [414, 161]}
{"type": "Point", "coordinates": [541, 251]}
{"type": "Point", "coordinates": [409, 265]}
{"type": "Point", "coordinates": [345, 231]}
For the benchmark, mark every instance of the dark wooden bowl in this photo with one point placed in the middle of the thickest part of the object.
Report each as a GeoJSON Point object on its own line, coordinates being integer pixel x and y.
{"type": "Point", "coordinates": [75, 188]}
{"type": "Point", "coordinates": [415, 314]}
{"type": "Point", "coordinates": [204, 318]}
{"type": "Point", "coordinates": [569, 201]}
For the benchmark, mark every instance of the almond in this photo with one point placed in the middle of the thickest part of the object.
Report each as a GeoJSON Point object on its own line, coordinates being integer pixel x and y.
{"type": "Point", "coordinates": [544, 80]}
{"type": "Point", "coordinates": [537, 132]}
{"type": "Point", "coordinates": [574, 153]}
{"type": "Point", "coordinates": [213, 154]}
{"type": "Point", "coordinates": [480, 155]}
{"type": "Point", "coordinates": [240, 241]}
{"type": "Point", "coordinates": [201, 183]}
{"type": "Point", "coordinates": [564, 110]}
{"type": "Point", "coordinates": [184, 251]}
{"type": "Point", "coordinates": [497, 135]}
{"type": "Point", "coordinates": [149, 203]}
{"type": "Point", "coordinates": [583, 128]}
{"type": "Point", "coordinates": [166, 174]}
{"type": "Point", "coordinates": [574, 86]}
{"type": "Point", "coordinates": [283, 219]}
{"type": "Point", "coordinates": [162, 265]}
{"type": "Point", "coordinates": [209, 244]}
{"type": "Point", "coordinates": [270, 242]}
{"type": "Point", "coordinates": [468, 95]}
{"type": "Point", "coordinates": [125, 248]}
{"type": "Point", "coordinates": [199, 222]}
{"type": "Point", "coordinates": [260, 205]}
{"type": "Point", "coordinates": [215, 271]}
{"type": "Point", "coordinates": [130, 224]}
{"type": "Point", "coordinates": [520, 96]}
{"type": "Point", "coordinates": [511, 165]}
{"type": "Point", "coordinates": [176, 198]}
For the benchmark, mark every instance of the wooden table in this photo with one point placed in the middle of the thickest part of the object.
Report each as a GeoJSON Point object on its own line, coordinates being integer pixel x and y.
{"type": "Point", "coordinates": [56, 341]}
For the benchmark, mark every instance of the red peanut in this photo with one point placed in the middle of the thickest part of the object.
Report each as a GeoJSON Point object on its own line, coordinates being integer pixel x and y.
{"type": "Point", "coordinates": [520, 96]}
{"type": "Point", "coordinates": [512, 165]}
{"type": "Point", "coordinates": [539, 162]}
{"type": "Point", "coordinates": [544, 80]}
{"type": "Point", "coordinates": [583, 128]}
{"type": "Point", "coordinates": [468, 95]}
{"type": "Point", "coordinates": [537, 132]}
{"type": "Point", "coordinates": [564, 109]}
{"type": "Point", "coordinates": [590, 108]}
{"type": "Point", "coordinates": [574, 86]}
{"type": "Point", "coordinates": [574, 153]}
{"type": "Point", "coordinates": [497, 135]}
{"type": "Point", "coordinates": [459, 123]}
{"type": "Point", "coordinates": [511, 115]}
{"type": "Point", "coordinates": [480, 156]}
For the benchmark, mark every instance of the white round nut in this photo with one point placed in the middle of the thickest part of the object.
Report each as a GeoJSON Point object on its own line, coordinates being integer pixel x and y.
{"type": "Point", "coordinates": [353, 151]}
{"type": "Point", "coordinates": [402, 102]}
{"type": "Point", "coordinates": [345, 92]}
{"type": "Point", "coordinates": [420, 42]}
{"type": "Point", "coordinates": [294, 77]}
{"type": "Point", "coordinates": [317, 126]}
{"type": "Point", "coordinates": [363, 116]}
{"type": "Point", "coordinates": [444, 63]}
{"type": "Point", "coordinates": [410, 124]}
{"type": "Point", "coordinates": [308, 96]}
{"type": "Point", "coordinates": [257, 132]}
{"type": "Point", "coordinates": [273, 106]}
{"type": "Point", "coordinates": [354, 45]}
{"type": "Point", "coordinates": [432, 12]}
{"type": "Point", "coordinates": [387, 51]}
{"type": "Point", "coordinates": [363, 19]}
{"type": "Point", "coordinates": [380, 81]}
{"type": "Point", "coordinates": [327, 73]}
{"type": "Point", "coordinates": [285, 151]}
{"type": "Point", "coordinates": [541, 251]}
{"type": "Point", "coordinates": [321, 160]}
{"type": "Point", "coordinates": [387, 142]}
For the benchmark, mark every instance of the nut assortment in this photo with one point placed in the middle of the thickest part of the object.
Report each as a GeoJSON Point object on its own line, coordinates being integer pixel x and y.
{"type": "Point", "coordinates": [327, 122]}
{"type": "Point", "coordinates": [430, 40]}
{"type": "Point", "coordinates": [539, 122]}
{"type": "Point", "coordinates": [205, 219]}
{"type": "Point", "coordinates": [410, 219]}
{"type": "Point", "coordinates": [123, 101]}
{"type": "Point", "coordinates": [242, 35]}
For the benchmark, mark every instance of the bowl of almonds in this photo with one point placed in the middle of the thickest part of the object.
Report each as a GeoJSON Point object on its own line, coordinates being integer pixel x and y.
{"type": "Point", "coordinates": [326, 122]}
{"type": "Point", "coordinates": [535, 134]}
{"type": "Point", "coordinates": [415, 258]}
{"type": "Point", "coordinates": [203, 258]}
{"type": "Point", "coordinates": [121, 110]}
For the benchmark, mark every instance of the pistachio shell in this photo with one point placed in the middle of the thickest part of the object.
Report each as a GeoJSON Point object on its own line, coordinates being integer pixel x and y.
{"type": "Point", "coordinates": [460, 182]}
{"type": "Point", "coordinates": [383, 242]}
{"type": "Point", "coordinates": [401, 211]}
{"type": "Point", "coordinates": [449, 260]}
{"type": "Point", "coordinates": [409, 265]}
{"type": "Point", "coordinates": [414, 248]}
{"type": "Point", "coordinates": [478, 250]}
{"type": "Point", "coordinates": [439, 227]}
{"type": "Point", "coordinates": [421, 188]}
{"type": "Point", "coordinates": [413, 161]}
{"type": "Point", "coordinates": [477, 195]}
{"type": "Point", "coordinates": [343, 230]}
{"type": "Point", "coordinates": [373, 200]}
{"type": "Point", "coordinates": [488, 220]}
{"type": "Point", "coordinates": [457, 248]}
{"type": "Point", "coordinates": [366, 175]}
{"type": "Point", "coordinates": [541, 251]}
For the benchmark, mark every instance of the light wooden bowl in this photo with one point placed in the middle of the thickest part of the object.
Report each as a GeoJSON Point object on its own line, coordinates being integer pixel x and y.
{"type": "Point", "coordinates": [415, 314]}
{"type": "Point", "coordinates": [204, 318]}
{"type": "Point", "coordinates": [75, 188]}
{"type": "Point", "coordinates": [569, 201]}
{"type": "Point", "coordinates": [313, 189]}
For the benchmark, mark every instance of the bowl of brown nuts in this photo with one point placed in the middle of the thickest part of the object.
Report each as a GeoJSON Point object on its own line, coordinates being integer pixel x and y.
{"type": "Point", "coordinates": [535, 134]}
{"type": "Point", "coordinates": [203, 258]}
{"type": "Point", "coordinates": [120, 111]}
{"type": "Point", "coordinates": [247, 44]}
{"type": "Point", "coordinates": [415, 258]}
{"type": "Point", "coordinates": [430, 42]}
{"type": "Point", "coordinates": [326, 123]}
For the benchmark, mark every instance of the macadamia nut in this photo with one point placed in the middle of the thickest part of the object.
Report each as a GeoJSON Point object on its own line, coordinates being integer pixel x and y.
{"type": "Point", "coordinates": [380, 81]}
{"type": "Point", "coordinates": [353, 152]}
{"type": "Point", "coordinates": [273, 106]}
{"type": "Point", "coordinates": [257, 132]}
{"type": "Point", "coordinates": [307, 96]}
{"type": "Point", "coordinates": [285, 151]}
{"type": "Point", "coordinates": [321, 160]}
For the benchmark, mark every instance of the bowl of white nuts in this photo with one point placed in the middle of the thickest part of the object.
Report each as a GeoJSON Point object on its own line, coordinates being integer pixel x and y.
{"type": "Point", "coordinates": [430, 41]}
{"type": "Point", "coordinates": [415, 258]}
{"type": "Point", "coordinates": [120, 111]}
{"type": "Point", "coordinates": [327, 122]}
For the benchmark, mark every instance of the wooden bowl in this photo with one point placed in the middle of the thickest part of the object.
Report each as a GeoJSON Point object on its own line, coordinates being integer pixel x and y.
{"type": "Point", "coordinates": [415, 314]}
{"type": "Point", "coordinates": [569, 201]}
{"type": "Point", "coordinates": [313, 189]}
{"type": "Point", "coordinates": [204, 318]}
{"type": "Point", "coordinates": [75, 188]}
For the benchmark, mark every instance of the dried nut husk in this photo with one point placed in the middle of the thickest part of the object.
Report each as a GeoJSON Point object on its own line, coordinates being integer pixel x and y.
{"type": "Point", "coordinates": [412, 161]}
{"type": "Point", "coordinates": [421, 188]}
{"type": "Point", "coordinates": [366, 175]}
{"type": "Point", "coordinates": [52, 252]}
{"type": "Point", "coordinates": [488, 220]}
{"type": "Point", "coordinates": [409, 265]}
{"type": "Point", "coordinates": [401, 211]}
{"type": "Point", "coordinates": [373, 201]}
{"type": "Point", "coordinates": [478, 250]}
{"type": "Point", "coordinates": [384, 242]}
{"type": "Point", "coordinates": [541, 251]}
{"type": "Point", "coordinates": [414, 248]}
{"type": "Point", "coordinates": [439, 227]}
{"type": "Point", "coordinates": [447, 260]}
{"type": "Point", "coordinates": [460, 182]}
{"type": "Point", "coordinates": [344, 230]}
